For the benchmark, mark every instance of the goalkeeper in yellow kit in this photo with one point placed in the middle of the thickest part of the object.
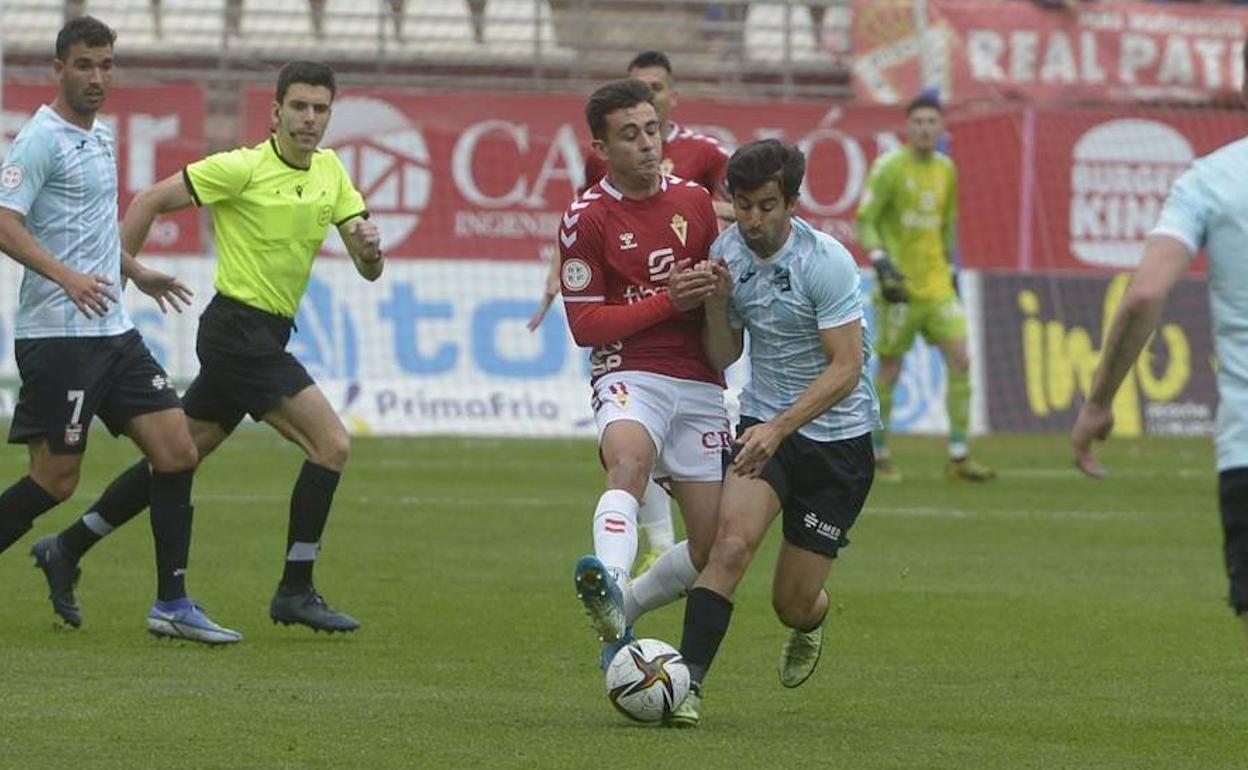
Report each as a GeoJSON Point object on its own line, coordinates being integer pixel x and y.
{"type": "Point", "coordinates": [907, 221]}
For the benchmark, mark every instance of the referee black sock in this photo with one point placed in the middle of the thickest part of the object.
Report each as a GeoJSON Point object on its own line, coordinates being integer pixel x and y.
{"type": "Point", "coordinates": [707, 615]}
{"type": "Point", "coordinates": [171, 531]}
{"type": "Point", "coordinates": [309, 510]}
{"type": "Point", "coordinates": [124, 499]}
{"type": "Point", "coordinates": [20, 505]}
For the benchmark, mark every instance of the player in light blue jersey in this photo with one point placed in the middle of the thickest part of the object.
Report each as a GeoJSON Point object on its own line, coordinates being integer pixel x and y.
{"type": "Point", "coordinates": [77, 351]}
{"type": "Point", "coordinates": [1207, 209]}
{"type": "Point", "coordinates": [804, 442]}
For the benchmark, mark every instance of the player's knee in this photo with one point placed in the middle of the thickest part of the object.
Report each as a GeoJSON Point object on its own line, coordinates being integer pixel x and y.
{"type": "Point", "coordinates": [793, 606]}
{"type": "Point", "coordinates": [629, 472]}
{"type": "Point", "coordinates": [59, 482]}
{"type": "Point", "coordinates": [333, 451]}
{"type": "Point", "coordinates": [731, 554]}
{"type": "Point", "coordinates": [176, 457]}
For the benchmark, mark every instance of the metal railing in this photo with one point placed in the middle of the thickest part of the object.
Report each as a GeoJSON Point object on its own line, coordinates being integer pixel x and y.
{"type": "Point", "coordinates": [754, 47]}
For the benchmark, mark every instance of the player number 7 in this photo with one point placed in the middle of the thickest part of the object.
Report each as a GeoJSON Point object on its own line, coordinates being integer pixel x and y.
{"type": "Point", "coordinates": [77, 396]}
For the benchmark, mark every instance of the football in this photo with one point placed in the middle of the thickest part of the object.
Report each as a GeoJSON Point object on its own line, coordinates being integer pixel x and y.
{"type": "Point", "coordinates": [646, 679]}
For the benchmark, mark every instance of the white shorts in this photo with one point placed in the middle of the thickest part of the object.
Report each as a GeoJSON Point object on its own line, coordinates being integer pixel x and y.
{"type": "Point", "coordinates": [685, 419]}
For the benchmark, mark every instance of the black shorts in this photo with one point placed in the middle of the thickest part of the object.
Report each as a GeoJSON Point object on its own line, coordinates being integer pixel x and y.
{"type": "Point", "coordinates": [67, 381]}
{"type": "Point", "coordinates": [243, 364]}
{"type": "Point", "coordinates": [822, 486]}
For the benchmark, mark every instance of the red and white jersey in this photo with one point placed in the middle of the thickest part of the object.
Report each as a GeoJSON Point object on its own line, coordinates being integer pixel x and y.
{"type": "Point", "coordinates": [618, 251]}
{"type": "Point", "coordinates": [686, 154]}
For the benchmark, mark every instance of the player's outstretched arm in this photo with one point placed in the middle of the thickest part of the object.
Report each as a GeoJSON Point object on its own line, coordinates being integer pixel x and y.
{"type": "Point", "coordinates": [1165, 259]}
{"type": "Point", "coordinates": [548, 295]}
{"type": "Point", "coordinates": [89, 293]}
{"type": "Point", "coordinates": [169, 194]}
{"type": "Point", "coordinates": [363, 241]}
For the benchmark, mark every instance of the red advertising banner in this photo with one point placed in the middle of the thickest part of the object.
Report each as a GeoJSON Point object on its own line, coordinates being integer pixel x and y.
{"type": "Point", "coordinates": [488, 175]}
{"type": "Point", "coordinates": [1073, 189]}
{"type": "Point", "coordinates": [159, 128]}
{"type": "Point", "coordinates": [1093, 52]}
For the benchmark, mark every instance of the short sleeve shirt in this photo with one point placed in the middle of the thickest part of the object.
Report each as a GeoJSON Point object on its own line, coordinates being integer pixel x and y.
{"type": "Point", "coordinates": [811, 284]}
{"type": "Point", "coordinates": [63, 180]}
{"type": "Point", "coordinates": [270, 219]}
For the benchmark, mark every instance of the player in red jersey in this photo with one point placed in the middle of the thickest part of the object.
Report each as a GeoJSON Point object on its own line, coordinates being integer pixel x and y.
{"type": "Point", "coordinates": [686, 153]}
{"type": "Point", "coordinates": [634, 274]}
{"type": "Point", "coordinates": [691, 156]}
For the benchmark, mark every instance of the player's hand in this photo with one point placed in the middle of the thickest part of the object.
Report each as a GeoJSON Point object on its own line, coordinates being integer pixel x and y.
{"type": "Point", "coordinates": [689, 285]}
{"type": "Point", "coordinates": [166, 289]}
{"type": "Point", "coordinates": [365, 239]}
{"type": "Point", "coordinates": [892, 283]}
{"type": "Point", "coordinates": [723, 281]}
{"type": "Point", "coordinates": [1093, 424]}
{"type": "Point", "coordinates": [548, 295]}
{"type": "Point", "coordinates": [89, 293]}
{"type": "Point", "coordinates": [755, 446]}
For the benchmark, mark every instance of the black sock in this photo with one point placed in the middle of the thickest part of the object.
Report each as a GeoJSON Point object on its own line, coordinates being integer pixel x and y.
{"type": "Point", "coordinates": [124, 499]}
{"type": "Point", "coordinates": [707, 615]}
{"type": "Point", "coordinates": [20, 504]}
{"type": "Point", "coordinates": [171, 530]}
{"type": "Point", "coordinates": [309, 510]}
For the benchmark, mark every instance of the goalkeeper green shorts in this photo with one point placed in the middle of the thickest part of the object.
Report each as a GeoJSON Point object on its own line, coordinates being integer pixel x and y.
{"type": "Point", "coordinates": [896, 323]}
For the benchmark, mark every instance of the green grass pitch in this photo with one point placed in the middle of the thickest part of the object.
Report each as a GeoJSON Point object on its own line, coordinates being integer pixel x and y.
{"type": "Point", "coordinates": [1044, 621]}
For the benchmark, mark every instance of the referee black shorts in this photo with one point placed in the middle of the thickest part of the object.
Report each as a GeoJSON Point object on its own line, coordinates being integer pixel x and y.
{"type": "Point", "coordinates": [68, 381]}
{"type": "Point", "coordinates": [822, 486]}
{"type": "Point", "coordinates": [244, 368]}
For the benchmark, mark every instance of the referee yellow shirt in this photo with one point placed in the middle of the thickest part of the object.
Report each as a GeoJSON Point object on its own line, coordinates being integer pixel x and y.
{"type": "Point", "coordinates": [270, 218]}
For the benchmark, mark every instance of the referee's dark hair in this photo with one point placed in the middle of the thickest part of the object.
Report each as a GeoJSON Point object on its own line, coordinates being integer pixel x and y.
{"type": "Point", "coordinates": [616, 95]}
{"type": "Point", "coordinates": [924, 101]}
{"type": "Point", "coordinates": [87, 30]}
{"type": "Point", "coordinates": [757, 163]}
{"type": "Point", "coordinates": [650, 59]}
{"type": "Point", "coordinates": [307, 72]}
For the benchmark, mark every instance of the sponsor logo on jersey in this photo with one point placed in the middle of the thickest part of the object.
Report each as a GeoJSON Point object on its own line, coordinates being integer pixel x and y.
{"type": "Point", "coordinates": [680, 226]}
{"type": "Point", "coordinates": [661, 262]}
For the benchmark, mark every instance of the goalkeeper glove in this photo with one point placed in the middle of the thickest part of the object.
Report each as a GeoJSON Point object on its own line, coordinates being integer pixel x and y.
{"type": "Point", "coordinates": [892, 282]}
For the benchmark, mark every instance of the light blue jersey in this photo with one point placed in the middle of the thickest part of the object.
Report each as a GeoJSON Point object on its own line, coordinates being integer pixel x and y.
{"type": "Point", "coordinates": [1208, 208]}
{"type": "Point", "coordinates": [809, 285]}
{"type": "Point", "coordinates": [63, 180]}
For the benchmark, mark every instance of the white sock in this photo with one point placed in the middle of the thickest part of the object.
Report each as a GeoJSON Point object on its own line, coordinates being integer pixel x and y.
{"type": "Point", "coordinates": [957, 450]}
{"type": "Point", "coordinates": [615, 530]}
{"type": "Point", "coordinates": [663, 583]}
{"type": "Point", "coordinates": [655, 517]}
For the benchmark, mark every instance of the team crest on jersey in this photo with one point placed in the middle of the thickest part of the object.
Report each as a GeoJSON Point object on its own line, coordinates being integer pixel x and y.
{"type": "Point", "coordinates": [680, 226]}
{"type": "Point", "coordinates": [627, 241]}
{"type": "Point", "coordinates": [11, 177]}
{"type": "Point", "coordinates": [73, 434]}
{"type": "Point", "coordinates": [667, 165]}
{"type": "Point", "coordinates": [576, 275]}
{"type": "Point", "coordinates": [619, 392]}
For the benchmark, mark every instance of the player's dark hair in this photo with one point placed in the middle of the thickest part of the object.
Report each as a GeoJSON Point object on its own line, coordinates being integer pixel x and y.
{"type": "Point", "coordinates": [87, 30]}
{"type": "Point", "coordinates": [924, 101]}
{"type": "Point", "coordinates": [616, 95]}
{"type": "Point", "coordinates": [307, 72]}
{"type": "Point", "coordinates": [757, 163]}
{"type": "Point", "coordinates": [650, 59]}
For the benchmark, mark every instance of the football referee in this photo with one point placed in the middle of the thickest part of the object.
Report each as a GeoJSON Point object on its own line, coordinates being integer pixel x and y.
{"type": "Point", "coordinates": [272, 205]}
